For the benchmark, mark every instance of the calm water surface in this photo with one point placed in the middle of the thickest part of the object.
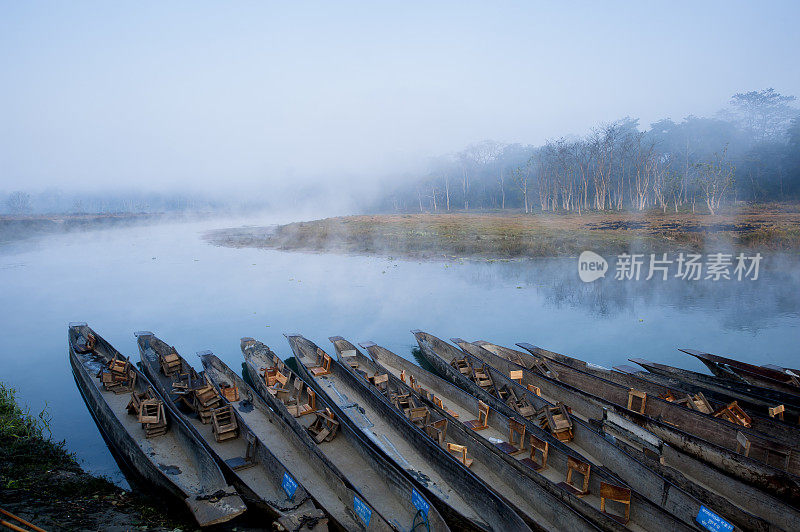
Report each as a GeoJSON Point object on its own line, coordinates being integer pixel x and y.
{"type": "Point", "coordinates": [197, 296]}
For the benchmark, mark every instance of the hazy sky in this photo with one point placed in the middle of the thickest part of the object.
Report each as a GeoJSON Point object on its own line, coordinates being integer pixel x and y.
{"type": "Point", "coordinates": [169, 94]}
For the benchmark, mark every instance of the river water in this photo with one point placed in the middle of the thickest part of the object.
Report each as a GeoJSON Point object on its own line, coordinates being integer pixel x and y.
{"type": "Point", "coordinates": [197, 296]}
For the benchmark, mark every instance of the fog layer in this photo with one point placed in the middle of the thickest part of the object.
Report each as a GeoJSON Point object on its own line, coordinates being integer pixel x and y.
{"type": "Point", "coordinates": [204, 97]}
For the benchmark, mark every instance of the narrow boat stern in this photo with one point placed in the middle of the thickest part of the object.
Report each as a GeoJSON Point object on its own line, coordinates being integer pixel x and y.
{"type": "Point", "coordinates": [216, 508]}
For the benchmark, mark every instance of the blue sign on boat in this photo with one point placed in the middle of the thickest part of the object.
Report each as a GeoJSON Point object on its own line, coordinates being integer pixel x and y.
{"type": "Point", "coordinates": [363, 511]}
{"type": "Point", "coordinates": [419, 502]}
{"type": "Point", "coordinates": [289, 485]}
{"type": "Point", "coordinates": [712, 521]}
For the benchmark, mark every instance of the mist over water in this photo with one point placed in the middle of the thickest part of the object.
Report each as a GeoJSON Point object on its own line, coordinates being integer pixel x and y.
{"type": "Point", "coordinates": [196, 296]}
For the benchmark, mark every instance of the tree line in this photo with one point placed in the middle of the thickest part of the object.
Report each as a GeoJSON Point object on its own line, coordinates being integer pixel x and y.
{"type": "Point", "coordinates": [747, 152]}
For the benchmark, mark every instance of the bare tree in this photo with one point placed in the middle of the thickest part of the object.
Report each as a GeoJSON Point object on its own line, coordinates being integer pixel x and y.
{"type": "Point", "coordinates": [521, 174]}
{"type": "Point", "coordinates": [714, 179]}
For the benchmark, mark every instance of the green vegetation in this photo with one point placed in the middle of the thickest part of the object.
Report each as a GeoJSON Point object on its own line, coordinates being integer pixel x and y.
{"type": "Point", "coordinates": [41, 481]}
{"type": "Point", "coordinates": [26, 450]}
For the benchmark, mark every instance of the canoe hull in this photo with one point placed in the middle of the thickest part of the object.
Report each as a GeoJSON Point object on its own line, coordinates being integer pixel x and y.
{"type": "Point", "coordinates": [135, 459]}
{"type": "Point", "coordinates": [271, 508]}
{"type": "Point", "coordinates": [395, 481]}
{"type": "Point", "coordinates": [489, 504]}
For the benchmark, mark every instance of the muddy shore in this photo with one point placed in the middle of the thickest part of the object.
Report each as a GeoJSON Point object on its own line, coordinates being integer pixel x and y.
{"type": "Point", "coordinates": [42, 483]}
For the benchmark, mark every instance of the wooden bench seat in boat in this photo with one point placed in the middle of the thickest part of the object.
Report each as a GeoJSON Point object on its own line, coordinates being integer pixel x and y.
{"type": "Point", "coordinates": [324, 427]}
{"type": "Point", "coordinates": [150, 412]}
{"type": "Point", "coordinates": [776, 411]}
{"type": "Point", "coordinates": [483, 417]}
{"type": "Point", "coordinates": [516, 438]}
{"type": "Point", "coordinates": [206, 399]}
{"type": "Point", "coordinates": [520, 404]}
{"type": "Point", "coordinates": [419, 416]}
{"type": "Point", "coordinates": [620, 494]}
{"type": "Point", "coordinates": [269, 375]}
{"type": "Point", "coordinates": [633, 395]}
{"type": "Point", "coordinates": [87, 345]}
{"type": "Point", "coordinates": [734, 413]}
{"type": "Point", "coordinates": [437, 431]}
{"type": "Point", "coordinates": [223, 423]}
{"type": "Point", "coordinates": [230, 393]}
{"type": "Point", "coordinates": [309, 407]}
{"type": "Point", "coordinates": [403, 402]}
{"type": "Point", "coordinates": [460, 452]}
{"type": "Point", "coordinates": [771, 454]}
{"type": "Point", "coordinates": [118, 376]}
{"type": "Point", "coordinates": [170, 363]}
{"type": "Point", "coordinates": [135, 404]}
{"type": "Point", "coordinates": [483, 378]}
{"type": "Point", "coordinates": [280, 390]}
{"type": "Point", "coordinates": [381, 381]}
{"type": "Point", "coordinates": [324, 364]}
{"type": "Point", "coordinates": [696, 402]}
{"type": "Point", "coordinates": [543, 448]}
{"type": "Point", "coordinates": [582, 468]}
{"type": "Point", "coordinates": [556, 419]}
{"type": "Point", "coordinates": [463, 366]}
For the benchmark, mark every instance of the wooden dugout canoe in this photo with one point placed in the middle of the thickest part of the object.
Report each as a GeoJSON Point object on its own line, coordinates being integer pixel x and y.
{"type": "Point", "coordinates": [763, 491]}
{"type": "Point", "coordinates": [644, 464]}
{"type": "Point", "coordinates": [459, 495]}
{"type": "Point", "coordinates": [750, 396]}
{"type": "Point", "coordinates": [459, 401]}
{"type": "Point", "coordinates": [766, 427]}
{"type": "Point", "coordinates": [728, 368]}
{"type": "Point", "coordinates": [174, 462]}
{"type": "Point", "coordinates": [296, 451]}
{"type": "Point", "coordinates": [779, 449]}
{"type": "Point", "coordinates": [260, 481]}
{"type": "Point", "coordinates": [369, 473]}
{"type": "Point", "coordinates": [514, 482]}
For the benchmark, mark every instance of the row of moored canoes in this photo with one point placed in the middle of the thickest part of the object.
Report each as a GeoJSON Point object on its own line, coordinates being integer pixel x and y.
{"type": "Point", "coordinates": [493, 438]}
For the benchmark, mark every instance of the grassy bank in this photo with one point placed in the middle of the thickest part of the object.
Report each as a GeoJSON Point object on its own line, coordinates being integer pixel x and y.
{"type": "Point", "coordinates": [41, 482]}
{"type": "Point", "coordinates": [19, 227]}
{"type": "Point", "coordinates": [519, 235]}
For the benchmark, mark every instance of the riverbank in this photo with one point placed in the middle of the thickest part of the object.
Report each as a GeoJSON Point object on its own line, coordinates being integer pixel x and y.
{"type": "Point", "coordinates": [20, 227]}
{"type": "Point", "coordinates": [508, 236]}
{"type": "Point", "coordinates": [41, 482]}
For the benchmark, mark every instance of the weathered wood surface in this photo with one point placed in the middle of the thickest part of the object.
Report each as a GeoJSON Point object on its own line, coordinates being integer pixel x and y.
{"type": "Point", "coordinates": [463, 498]}
{"type": "Point", "coordinates": [532, 499]}
{"type": "Point", "coordinates": [740, 494]}
{"type": "Point", "coordinates": [645, 514]}
{"type": "Point", "coordinates": [260, 485]}
{"type": "Point", "coordinates": [369, 472]}
{"type": "Point", "coordinates": [174, 463]}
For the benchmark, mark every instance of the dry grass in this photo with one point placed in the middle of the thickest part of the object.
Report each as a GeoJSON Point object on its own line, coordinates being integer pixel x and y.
{"type": "Point", "coordinates": [520, 235]}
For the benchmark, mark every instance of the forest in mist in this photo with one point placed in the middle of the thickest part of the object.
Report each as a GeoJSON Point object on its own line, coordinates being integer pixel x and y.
{"type": "Point", "coordinates": [748, 152]}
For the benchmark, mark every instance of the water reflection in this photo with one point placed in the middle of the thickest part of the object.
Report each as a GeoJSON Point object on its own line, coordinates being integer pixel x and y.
{"type": "Point", "coordinates": [197, 296]}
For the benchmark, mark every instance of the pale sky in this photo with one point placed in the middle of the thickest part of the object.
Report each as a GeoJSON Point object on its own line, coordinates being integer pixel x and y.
{"type": "Point", "coordinates": [199, 95]}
